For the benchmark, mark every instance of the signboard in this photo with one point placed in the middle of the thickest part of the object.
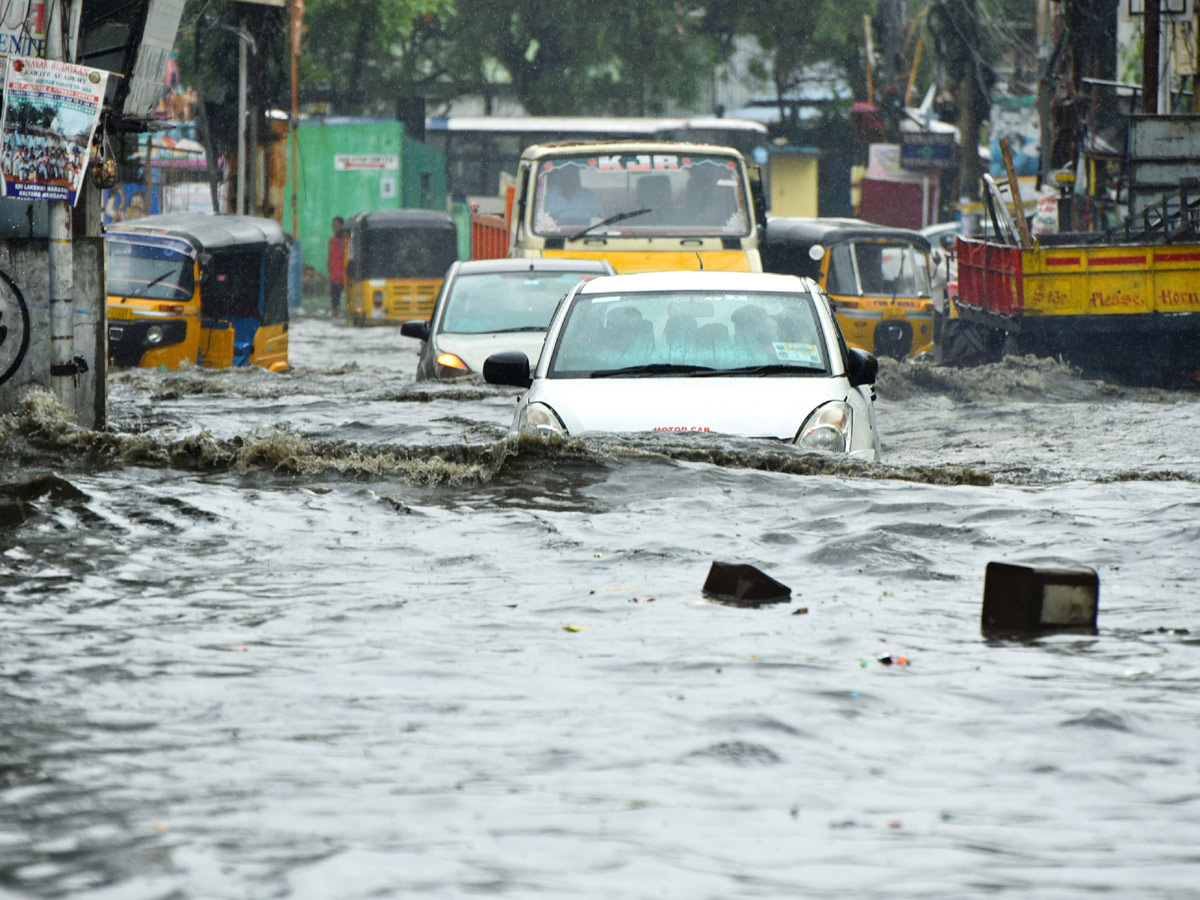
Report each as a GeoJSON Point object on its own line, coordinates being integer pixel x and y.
{"type": "Point", "coordinates": [23, 28]}
{"type": "Point", "coordinates": [50, 113]}
{"type": "Point", "coordinates": [365, 162]}
{"type": "Point", "coordinates": [928, 150]}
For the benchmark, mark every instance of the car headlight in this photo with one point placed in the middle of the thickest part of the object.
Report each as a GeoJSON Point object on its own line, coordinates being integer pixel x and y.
{"type": "Point", "coordinates": [154, 335]}
{"type": "Point", "coordinates": [828, 428]}
{"type": "Point", "coordinates": [450, 361]}
{"type": "Point", "coordinates": [539, 420]}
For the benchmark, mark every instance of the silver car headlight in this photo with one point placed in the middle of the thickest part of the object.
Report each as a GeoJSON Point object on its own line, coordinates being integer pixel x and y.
{"type": "Point", "coordinates": [828, 429]}
{"type": "Point", "coordinates": [539, 420]}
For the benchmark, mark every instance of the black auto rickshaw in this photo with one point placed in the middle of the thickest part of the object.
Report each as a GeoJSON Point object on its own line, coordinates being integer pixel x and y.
{"type": "Point", "coordinates": [395, 264]}
{"type": "Point", "coordinates": [204, 289]}
{"type": "Point", "coordinates": [878, 278]}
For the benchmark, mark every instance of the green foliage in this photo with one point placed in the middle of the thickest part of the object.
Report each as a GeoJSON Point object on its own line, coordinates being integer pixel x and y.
{"type": "Point", "coordinates": [361, 55]}
{"type": "Point", "coordinates": [579, 56]}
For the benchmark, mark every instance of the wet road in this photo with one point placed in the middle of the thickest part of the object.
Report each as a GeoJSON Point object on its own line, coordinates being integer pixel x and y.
{"type": "Point", "coordinates": [327, 635]}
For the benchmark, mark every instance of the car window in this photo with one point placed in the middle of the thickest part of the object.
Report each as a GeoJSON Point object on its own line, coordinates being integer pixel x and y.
{"type": "Point", "coordinates": [719, 331]}
{"type": "Point", "coordinates": [488, 302]}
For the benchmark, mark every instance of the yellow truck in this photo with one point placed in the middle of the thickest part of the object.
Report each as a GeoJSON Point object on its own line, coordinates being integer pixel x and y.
{"type": "Point", "coordinates": [641, 205]}
{"type": "Point", "coordinates": [1127, 305]}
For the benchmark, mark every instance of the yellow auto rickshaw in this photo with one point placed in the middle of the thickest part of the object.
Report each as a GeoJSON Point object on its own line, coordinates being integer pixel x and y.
{"type": "Point", "coordinates": [205, 289]}
{"type": "Point", "coordinates": [395, 263]}
{"type": "Point", "coordinates": [879, 278]}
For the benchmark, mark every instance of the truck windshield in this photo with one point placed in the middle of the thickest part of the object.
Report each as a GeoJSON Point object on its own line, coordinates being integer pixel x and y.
{"type": "Point", "coordinates": [149, 271]}
{"type": "Point", "coordinates": [676, 194]}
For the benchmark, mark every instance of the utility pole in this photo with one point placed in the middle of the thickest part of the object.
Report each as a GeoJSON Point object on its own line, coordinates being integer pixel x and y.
{"type": "Point", "coordinates": [1150, 57]}
{"type": "Point", "coordinates": [61, 252]}
{"type": "Point", "coordinates": [241, 125]}
{"type": "Point", "coordinates": [1045, 89]}
{"type": "Point", "coordinates": [967, 98]}
{"type": "Point", "coordinates": [297, 11]}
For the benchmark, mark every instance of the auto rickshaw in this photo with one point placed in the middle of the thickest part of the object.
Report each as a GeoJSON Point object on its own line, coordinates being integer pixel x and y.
{"type": "Point", "coordinates": [395, 263]}
{"type": "Point", "coordinates": [197, 288]}
{"type": "Point", "coordinates": [878, 278]}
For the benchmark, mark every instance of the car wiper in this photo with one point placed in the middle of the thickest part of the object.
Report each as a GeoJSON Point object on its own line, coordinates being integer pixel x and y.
{"type": "Point", "coordinates": [619, 217]}
{"type": "Point", "coordinates": [150, 284]}
{"type": "Point", "coordinates": [771, 369]}
{"type": "Point", "coordinates": [651, 370]}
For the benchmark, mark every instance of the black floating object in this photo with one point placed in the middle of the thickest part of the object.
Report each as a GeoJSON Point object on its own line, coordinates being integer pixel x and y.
{"type": "Point", "coordinates": [1024, 600]}
{"type": "Point", "coordinates": [742, 585]}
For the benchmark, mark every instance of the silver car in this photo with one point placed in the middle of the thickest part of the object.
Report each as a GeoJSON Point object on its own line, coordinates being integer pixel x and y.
{"type": "Point", "coordinates": [732, 352]}
{"type": "Point", "coordinates": [488, 305]}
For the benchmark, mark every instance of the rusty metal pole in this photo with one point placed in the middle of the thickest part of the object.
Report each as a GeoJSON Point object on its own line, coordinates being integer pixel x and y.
{"type": "Point", "coordinates": [60, 253]}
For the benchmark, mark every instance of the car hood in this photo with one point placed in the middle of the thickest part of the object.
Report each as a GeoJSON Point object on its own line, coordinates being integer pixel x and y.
{"type": "Point", "coordinates": [751, 406]}
{"type": "Point", "coordinates": [473, 349]}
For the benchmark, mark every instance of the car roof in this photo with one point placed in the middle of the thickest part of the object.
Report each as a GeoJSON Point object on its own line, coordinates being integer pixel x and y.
{"type": "Point", "coordinates": [697, 281]}
{"type": "Point", "coordinates": [552, 264]}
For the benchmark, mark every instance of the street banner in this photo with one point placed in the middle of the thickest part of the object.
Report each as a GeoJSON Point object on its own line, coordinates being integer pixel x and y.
{"type": "Point", "coordinates": [50, 113]}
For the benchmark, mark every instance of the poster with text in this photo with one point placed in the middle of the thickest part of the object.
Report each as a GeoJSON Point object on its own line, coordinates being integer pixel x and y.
{"type": "Point", "coordinates": [50, 113]}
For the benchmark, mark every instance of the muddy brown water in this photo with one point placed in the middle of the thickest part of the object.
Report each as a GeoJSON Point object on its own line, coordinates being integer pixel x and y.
{"type": "Point", "coordinates": [328, 634]}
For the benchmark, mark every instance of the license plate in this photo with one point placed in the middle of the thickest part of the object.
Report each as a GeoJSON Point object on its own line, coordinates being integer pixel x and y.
{"type": "Point", "coordinates": [119, 312]}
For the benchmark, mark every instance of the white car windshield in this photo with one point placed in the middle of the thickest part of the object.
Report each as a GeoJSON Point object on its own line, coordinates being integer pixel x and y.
{"type": "Point", "coordinates": [641, 195]}
{"type": "Point", "coordinates": [490, 302]}
{"type": "Point", "coordinates": [689, 333]}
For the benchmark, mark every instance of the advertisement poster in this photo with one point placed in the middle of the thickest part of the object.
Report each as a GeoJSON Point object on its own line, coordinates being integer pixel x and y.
{"type": "Point", "coordinates": [1015, 118]}
{"type": "Point", "coordinates": [50, 112]}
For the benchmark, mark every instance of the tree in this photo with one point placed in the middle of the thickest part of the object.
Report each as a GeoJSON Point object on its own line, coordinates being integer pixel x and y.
{"type": "Point", "coordinates": [581, 56]}
{"type": "Point", "coordinates": [796, 34]}
{"type": "Point", "coordinates": [361, 55]}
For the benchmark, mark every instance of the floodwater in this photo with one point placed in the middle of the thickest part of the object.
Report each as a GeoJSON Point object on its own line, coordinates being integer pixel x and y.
{"type": "Point", "coordinates": [326, 634]}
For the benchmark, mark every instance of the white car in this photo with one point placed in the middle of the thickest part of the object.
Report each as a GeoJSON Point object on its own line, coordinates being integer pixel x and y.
{"type": "Point", "coordinates": [487, 305]}
{"type": "Point", "coordinates": [737, 353]}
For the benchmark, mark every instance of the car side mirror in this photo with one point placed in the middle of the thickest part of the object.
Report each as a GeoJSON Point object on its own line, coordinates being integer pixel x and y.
{"type": "Point", "coordinates": [507, 367]}
{"type": "Point", "coordinates": [863, 367]}
{"type": "Point", "coordinates": [415, 328]}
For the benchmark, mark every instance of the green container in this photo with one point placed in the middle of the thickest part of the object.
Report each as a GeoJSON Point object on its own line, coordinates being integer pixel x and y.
{"type": "Point", "coordinates": [348, 166]}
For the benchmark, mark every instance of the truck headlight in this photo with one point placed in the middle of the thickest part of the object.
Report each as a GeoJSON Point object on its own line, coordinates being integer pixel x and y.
{"type": "Point", "coordinates": [828, 429]}
{"type": "Point", "coordinates": [539, 420]}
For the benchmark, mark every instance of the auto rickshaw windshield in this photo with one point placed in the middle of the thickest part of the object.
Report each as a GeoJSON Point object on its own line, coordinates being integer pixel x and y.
{"type": "Point", "coordinates": [411, 252]}
{"type": "Point", "coordinates": [149, 271]}
{"type": "Point", "coordinates": [878, 268]}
